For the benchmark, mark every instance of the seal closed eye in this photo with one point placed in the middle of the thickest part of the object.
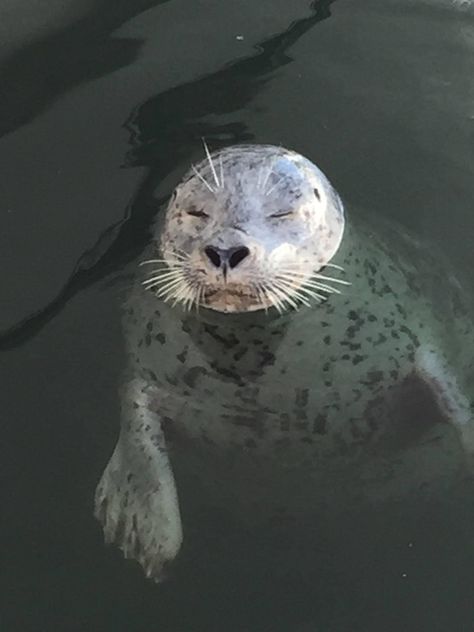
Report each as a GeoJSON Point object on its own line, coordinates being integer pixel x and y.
{"type": "Point", "coordinates": [275, 345]}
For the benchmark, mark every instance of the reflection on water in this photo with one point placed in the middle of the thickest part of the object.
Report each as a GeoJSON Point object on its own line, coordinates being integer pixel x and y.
{"type": "Point", "coordinates": [381, 96]}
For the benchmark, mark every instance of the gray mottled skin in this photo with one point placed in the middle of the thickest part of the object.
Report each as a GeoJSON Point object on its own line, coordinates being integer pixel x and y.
{"type": "Point", "coordinates": [300, 413]}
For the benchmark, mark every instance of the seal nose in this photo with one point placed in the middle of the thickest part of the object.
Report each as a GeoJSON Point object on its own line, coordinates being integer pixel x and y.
{"type": "Point", "coordinates": [231, 257]}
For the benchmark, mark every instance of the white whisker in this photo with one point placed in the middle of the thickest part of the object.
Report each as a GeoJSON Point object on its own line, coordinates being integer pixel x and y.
{"type": "Point", "coordinates": [259, 179]}
{"type": "Point", "coordinates": [182, 295]}
{"type": "Point", "coordinates": [221, 170]}
{"type": "Point", "coordinates": [294, 293]}
{"type": "Point", "coordinates": [298, 284]}
{"type": "Point", "coordinates": [177, 252]}
{"type": "Point", "coordinates": [260, 296]}
{"type": "Point", "coordinates": [164, 272]}
{"type": "Point", "coordinates": [169, 261]}
{"type": "Point", "coordinates": [308, 282]}
{"type": "Point", "coordinates": [162, 279]}
{"type": "Point", "coordinates": [149, 261]}
{"type": "Point", "coordinates": [316, 275]}
{"type": "Point", "coordinates": [272, 299]}
{"type": "Point", "coordinates": [203, 180]}
{"type": "Point", "coordinates": [273, 187]}
{"type": "Point", "coordinates": [287, 292]}
{"type": "Point", "coordinates": [264, 183]}
{"type": "Point", "coordinates": [283, 290]}
{"type": "Point", "coordinates": [334, 265]}
{"type": "Point", "coordinates": [171, 285]}
{"type": "Point", "coordinates": [188, 302]}
{"type": "Point", "coordinates": [199, 297]}
{"type": "Point", "coordinates": [208, 154]}
{"type": "Point", "coordinates": [312, 293]}
{"type": "Point", "coordinates": [322, 286]}
{"type": "Point", "coordinates": [279, 294]}
{"type": "Point", "coordinates": [196, 289]}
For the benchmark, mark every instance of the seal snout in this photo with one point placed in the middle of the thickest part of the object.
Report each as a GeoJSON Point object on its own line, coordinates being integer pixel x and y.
{"type": "Point", "coordinates": [226, 257]}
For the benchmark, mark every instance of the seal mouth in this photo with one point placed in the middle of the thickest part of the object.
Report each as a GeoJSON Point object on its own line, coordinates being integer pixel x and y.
{"type": "Point", "coordinates": [233, 298]}
{"type": "Point", "coordinates": [239, 291]}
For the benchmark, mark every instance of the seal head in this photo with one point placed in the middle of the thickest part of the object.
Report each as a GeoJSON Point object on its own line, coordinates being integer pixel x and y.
{"type": "Point", "coordinates": [248, 228]}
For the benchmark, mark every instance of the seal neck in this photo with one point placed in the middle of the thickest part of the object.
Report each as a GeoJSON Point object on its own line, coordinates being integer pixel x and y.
{"type": "Point", "coordinates": [242, 320]}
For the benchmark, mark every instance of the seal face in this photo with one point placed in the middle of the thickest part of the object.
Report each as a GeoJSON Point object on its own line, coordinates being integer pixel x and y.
{"type": "Point", "coordinates": [249, 228]}
{"type": "Point", "coordinates": [321, 353]}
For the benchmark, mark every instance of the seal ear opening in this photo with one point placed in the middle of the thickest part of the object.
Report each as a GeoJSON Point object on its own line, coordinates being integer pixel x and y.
{"type": "Point", "coordinates": [317, 194]}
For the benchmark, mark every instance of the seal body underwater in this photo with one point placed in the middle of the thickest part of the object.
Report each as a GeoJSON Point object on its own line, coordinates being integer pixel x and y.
{"type": "Point", "coordinates": [282, 356]}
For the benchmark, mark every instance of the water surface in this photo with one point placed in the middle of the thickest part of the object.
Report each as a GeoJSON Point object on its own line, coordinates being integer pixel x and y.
{"type": "Point", "coordinates": [104, 107]}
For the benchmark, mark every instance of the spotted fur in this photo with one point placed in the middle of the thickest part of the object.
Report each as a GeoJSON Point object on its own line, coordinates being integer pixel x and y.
{"type": "Point", "coordinates": [302, 412]}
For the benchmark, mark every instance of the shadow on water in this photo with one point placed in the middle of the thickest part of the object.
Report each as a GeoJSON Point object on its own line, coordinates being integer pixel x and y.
{"type": "Point", "coordinates": [164, 131]}
{"type": "Point", "coordinates": [34, 76]}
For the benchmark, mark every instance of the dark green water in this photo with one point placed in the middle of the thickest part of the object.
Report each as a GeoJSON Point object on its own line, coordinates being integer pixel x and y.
{"type": "Point", "coordinates": [102, 107]}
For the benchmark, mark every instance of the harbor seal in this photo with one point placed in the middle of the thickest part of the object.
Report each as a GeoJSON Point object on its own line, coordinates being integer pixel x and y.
{"type": "Point", "coordinates": [283, 357]}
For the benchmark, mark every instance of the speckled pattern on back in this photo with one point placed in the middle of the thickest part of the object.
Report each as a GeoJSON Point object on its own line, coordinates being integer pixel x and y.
{"type": "Point", "coordinates": [316, 389]}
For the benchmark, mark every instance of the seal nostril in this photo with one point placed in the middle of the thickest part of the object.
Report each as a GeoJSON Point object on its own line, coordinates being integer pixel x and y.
{"type": "Point", "coordinates": [213, 255]}
{"type": "Point", "coordinates": [231, 257]}
{"type": "Point", "coordinates": [238, 255]}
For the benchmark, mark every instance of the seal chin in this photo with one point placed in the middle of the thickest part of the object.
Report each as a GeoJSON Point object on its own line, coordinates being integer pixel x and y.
{"type": "Point", "coordinates": [232, 299]}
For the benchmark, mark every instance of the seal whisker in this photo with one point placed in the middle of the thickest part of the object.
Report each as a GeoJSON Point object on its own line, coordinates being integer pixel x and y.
{"type": "Point", "coordinates": [191, 296]}
{"type": "Point", "coordinates": [180, 258]}
{"type": "Point", "coordinates": [149, 261]}
{"type": "Point", "coordinates": [294, 292]}
{"type": "Point", "coordinates": [273, 298]}
{"type": "Point", "coordinates": [169, 295]}
{"type": "Point", "coordinates": [260, 295]}
{"type": "Point", "coordinates": [163, 272]}
{"type": "Point", "coordinates": [196, 287]}
{"type": "Point", "coordinates": [259, 179]}
{"type": "Point", "coordinates": [291, 266]}
{"type": "Point", "coordinates": [199, 296]}
{"type": "Point", "coordinates": [307, 285]}
{"type": "Point", "coordinates": [323, 277]}
{"type": "Point", "coordinates": [175, 253]}
{"type": "Point", "coordinates": [273, 187]}
{"type": "Point", "coordinates": [322, 286]}
{"type": "Point", "coordinates": [209, 158]}
{"type": "Point", "coordinates": [159, 282]}
{"type": "Point", "coordinates": [298, 291]}
{"type": "Point", "coordinates": [178, 294]}
{"type": "Point", "coordinates": [264, 183]}
{"type": "Point", "coordinates": [168, 269]}
{"type": "Point", "coordinates": [156, 285]}
{"type": "Point", "coordinates": [170, 286]}
{"type": "Point", "coordinates": [334, 265]}
{"type": "Point", "coordinates": [283, 294]}
{"type": "Point", "coordinates": [203, 180]}
{"type": "Point", "coordinates": [221, 170]}
{"type": "Point", "coordinates": [308, 282]}
{"type": "Point", "coordinates": [319, 297]}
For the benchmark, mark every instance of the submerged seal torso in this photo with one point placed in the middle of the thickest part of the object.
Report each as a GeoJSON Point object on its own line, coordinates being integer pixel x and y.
{"type": "Point", "coordinates": [315, 408]}
{"type": "Point", "coordinates": [311, 391]}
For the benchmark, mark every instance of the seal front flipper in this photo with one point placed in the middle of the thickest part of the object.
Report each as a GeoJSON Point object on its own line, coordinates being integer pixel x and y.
{"type": "Point", "coordinates": [136, 499]}
{"type": "Point", "coordinates": [433, 368]}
